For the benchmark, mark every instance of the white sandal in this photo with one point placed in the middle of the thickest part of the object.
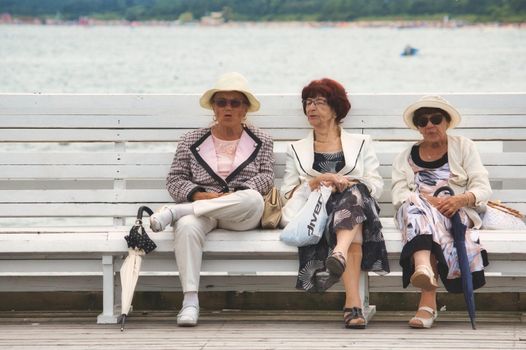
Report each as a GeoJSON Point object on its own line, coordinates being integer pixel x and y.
{"type": "Point", "coordinates": [188, 316]}
{"type": "Point", "coordinates": [426, 322]}
{"type": "Point", "coordinates": [424, 278]}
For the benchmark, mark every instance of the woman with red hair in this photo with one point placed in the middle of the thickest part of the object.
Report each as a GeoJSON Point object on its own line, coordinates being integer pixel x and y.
{"type": "Point", "coordinates": [352, 240]}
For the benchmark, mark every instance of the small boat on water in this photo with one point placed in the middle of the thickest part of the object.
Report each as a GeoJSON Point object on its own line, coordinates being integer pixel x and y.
{"type": "Point", "coordinates": [409, 51]}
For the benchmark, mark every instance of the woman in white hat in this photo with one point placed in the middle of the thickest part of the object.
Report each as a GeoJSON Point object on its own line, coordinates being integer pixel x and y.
{"type": "Point", "coordinates": [437, 160]}
{"type": "Point", "coordinates": [217, 179]}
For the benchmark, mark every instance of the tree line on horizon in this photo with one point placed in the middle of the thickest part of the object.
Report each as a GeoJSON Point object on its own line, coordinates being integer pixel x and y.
{"type": "Point", "coordinates": [268, 10]}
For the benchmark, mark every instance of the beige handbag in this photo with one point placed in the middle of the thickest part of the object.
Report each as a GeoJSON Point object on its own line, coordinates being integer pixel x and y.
{"type": "Point", "coordinates": [272, 210]}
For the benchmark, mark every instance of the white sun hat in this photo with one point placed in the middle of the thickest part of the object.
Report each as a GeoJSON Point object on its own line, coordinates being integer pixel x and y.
{"type": "Point", "coordinates": [230, 82]}
{"type": "Point", "coordinates": [431, 102]}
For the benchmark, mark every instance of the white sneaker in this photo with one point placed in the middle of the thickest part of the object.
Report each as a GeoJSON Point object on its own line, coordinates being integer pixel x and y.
{"type": "Point", "coordinates": [161, 219]}
{"type": "Point", "coordinates": [188, 316]}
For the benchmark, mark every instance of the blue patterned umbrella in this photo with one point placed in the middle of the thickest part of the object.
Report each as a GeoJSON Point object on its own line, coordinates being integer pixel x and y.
{"type": "Point", "coordinates": [459, 236]}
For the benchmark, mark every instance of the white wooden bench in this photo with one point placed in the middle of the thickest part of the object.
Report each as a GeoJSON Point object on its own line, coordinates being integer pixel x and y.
{"type": "Point", "coordinates": [75, 168]}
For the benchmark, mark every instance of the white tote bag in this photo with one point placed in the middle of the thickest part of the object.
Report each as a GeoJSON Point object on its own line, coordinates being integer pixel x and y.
{"type": "Point", "coordinates": [500, 217]}
{"type": "Point", "coordinates": [307, 227]}
{"type": "Point", "coordinates": [295, 200]}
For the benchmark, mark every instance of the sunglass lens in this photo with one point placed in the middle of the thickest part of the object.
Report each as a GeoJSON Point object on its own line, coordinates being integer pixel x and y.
{"type": "Point", "coordinates": [436, 119]}
{"type": "Point", "coordinates": [220, 103]}
{"type": "Point", "coordinates": [235, 103]}
{"type": "Point", "coordinates": [421, 122]}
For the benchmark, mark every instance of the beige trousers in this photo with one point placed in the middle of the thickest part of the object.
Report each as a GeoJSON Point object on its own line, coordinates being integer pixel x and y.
{"type": "Point", "coordinates": [238, 211]}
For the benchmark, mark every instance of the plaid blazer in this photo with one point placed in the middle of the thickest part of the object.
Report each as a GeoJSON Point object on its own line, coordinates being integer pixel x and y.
{"type": "Point", "coordinates": [190, 173]}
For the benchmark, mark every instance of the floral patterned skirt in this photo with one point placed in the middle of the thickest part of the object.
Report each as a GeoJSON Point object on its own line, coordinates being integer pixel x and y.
{"type": "Point", "coordinates": [346, 209]}
{"type": "Point", "coordinates": [425, 228]}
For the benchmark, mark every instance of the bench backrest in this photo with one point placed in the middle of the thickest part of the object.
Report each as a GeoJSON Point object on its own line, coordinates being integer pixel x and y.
{"type": "Point", "coordinates": [93, 159]}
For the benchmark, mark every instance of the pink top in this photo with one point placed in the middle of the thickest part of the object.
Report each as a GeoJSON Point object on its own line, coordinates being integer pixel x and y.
{"type": "Point", "coordinates": [226, 153]}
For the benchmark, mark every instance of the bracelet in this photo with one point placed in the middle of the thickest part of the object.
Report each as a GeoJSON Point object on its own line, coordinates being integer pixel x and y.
{"type": "Point", "coordinates": [470, 199]}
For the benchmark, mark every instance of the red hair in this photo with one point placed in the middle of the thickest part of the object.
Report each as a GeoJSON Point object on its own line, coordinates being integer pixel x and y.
{"type": "Point", "coordinates": [333, 91]}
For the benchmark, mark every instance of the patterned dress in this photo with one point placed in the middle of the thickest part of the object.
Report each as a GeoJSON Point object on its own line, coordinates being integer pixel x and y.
{"type": "Point", "coordinates": [346, 209]}
{"type": "Point", "coordinates": [425, 228]}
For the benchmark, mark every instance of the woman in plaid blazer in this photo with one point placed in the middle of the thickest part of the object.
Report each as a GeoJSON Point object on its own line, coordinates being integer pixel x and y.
{"type": "Point", "coordinates": [218, 178]}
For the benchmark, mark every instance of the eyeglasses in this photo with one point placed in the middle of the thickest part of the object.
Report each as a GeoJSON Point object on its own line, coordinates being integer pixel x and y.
{"type": "Point", "coordinates": [314, 101]}
{"type": "Point", "coordinates": [223, 102]}
{"type": "Point", "coordinates": [422, 121]}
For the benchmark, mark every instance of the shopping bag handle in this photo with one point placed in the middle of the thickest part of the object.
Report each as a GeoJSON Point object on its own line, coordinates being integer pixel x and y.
{"type": "Point", "coordinates": [444, 189]}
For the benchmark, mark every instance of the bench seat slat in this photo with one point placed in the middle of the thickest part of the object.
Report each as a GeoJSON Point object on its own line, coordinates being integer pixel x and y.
{"type": "Point", "coordinates": [218, 242]}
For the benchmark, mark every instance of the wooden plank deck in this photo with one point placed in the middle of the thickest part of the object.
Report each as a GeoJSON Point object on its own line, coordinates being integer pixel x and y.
{"type": "Point", "coordinates": [260, 330]}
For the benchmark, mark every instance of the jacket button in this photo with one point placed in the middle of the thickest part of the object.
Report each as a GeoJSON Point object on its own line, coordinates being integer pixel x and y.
{"type": "Point", "coordinates": [197, 149]}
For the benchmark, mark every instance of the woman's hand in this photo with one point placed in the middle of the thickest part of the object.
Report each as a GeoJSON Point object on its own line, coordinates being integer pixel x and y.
{"type": "Point", "coordinates": [338, 182]}
{"type": "Point", "coordinates": [205, 195]}
{"type": "Point", "coordinates": [450, 205]}
{"type": "Point", "coordinates": [447, 206]}
{"type": "Point", "coordinates": [434, 201]}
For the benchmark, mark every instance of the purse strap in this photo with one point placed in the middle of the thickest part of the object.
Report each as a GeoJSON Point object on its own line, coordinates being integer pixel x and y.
{"type": "Point", "coordinates": [505, 209]}
{"type": "Point", "coordinates": [290, 193]}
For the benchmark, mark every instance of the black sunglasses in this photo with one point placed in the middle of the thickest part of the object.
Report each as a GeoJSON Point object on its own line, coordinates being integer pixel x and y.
{"type": "Point", "coordinates": [223, 102]}
{"type": "Point", "coordinates": [422, 121]}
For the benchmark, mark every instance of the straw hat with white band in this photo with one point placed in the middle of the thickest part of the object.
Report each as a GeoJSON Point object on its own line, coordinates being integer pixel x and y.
{"type": "Point", "coordinates": [431, 102]}
{"type": "Point", "coordinates": [230, 82]}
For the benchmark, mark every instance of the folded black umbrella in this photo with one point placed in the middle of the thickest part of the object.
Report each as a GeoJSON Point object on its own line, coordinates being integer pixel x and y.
{"type": "Point", "coordinates": [459, 236]}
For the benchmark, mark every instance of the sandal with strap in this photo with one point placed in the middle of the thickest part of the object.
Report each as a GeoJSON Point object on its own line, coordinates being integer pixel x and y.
{"type": "Point", "coordinates": [352, 314]}
{"type": "Point", "coordinates": [423, 322]}
{"type": "Point", "coordinates": [336, 264]}
{"type": "Point", "coordinates": [424, 278]}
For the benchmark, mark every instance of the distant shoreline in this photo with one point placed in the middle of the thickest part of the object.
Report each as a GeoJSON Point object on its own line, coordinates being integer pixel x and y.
{"type": "Point", "coordinates": [398, 24]}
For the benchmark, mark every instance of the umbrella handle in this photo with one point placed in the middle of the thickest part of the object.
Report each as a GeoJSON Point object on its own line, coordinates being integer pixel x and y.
{"type": "Point", "coordinates": [141, 211]}
{"type": "Point", "coordinates": [444, 189]}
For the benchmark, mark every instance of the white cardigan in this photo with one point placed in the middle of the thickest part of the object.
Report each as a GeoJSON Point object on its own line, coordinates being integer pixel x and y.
{"type": "Point", "coordinates": [361, 164]}
{"type": "Point", "coordinates": [467, 175]}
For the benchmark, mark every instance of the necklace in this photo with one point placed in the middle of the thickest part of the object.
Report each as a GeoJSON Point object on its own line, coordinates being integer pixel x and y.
{"type": "Point", "coordinates": [330, 142]}
{"type": "Point", "coordinates": [429, 156]}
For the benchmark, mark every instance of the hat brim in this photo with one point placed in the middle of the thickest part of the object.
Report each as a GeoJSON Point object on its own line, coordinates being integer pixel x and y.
{"type": "Point", "coordinates": [204, 101]}
{"type": "Point", "coordinates": [410, 111]}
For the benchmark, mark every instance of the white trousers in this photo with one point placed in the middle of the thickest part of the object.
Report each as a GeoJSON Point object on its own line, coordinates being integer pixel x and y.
{"type": "Point", "coordinates": [238, 211]}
